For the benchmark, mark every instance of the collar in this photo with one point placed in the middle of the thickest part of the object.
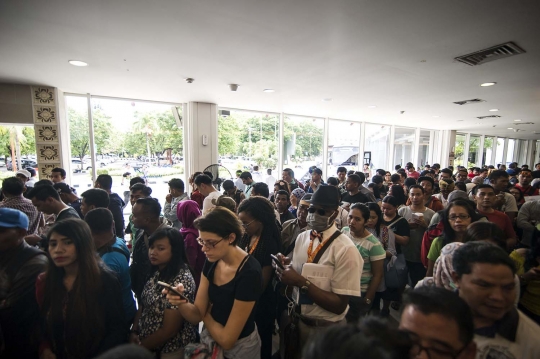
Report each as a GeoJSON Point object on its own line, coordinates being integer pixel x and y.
{"type": "Point", "coordinates": [329, 231]}
{"type": "Point", "coordinates": [506, 327]}
{"type": "Point", "coordinates": [65, 209]}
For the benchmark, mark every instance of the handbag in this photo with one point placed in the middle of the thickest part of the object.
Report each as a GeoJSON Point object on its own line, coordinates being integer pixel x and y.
{"type": "Point", "coordinates": [395, 272]}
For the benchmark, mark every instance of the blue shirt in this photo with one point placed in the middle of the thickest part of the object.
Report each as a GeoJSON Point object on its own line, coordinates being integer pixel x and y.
{"type": "Point", "coordinates": [118, 263]}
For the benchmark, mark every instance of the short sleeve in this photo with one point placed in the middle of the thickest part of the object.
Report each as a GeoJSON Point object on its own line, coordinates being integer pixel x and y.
{"type": "Point", "coordinates": [434, 250]}
{"type": "Point", "coordinates": [248, 285]}
{"type": "Point", "coordinates": [347, 272]}
{"type": "Point", "coordinates": [377, 252]}
{"type": "Point", "coordinates": [402, 228]}
{"type": "Point", "coordinates": [519, 261]}
{"type": "Point", "coordinates": [511, 205]}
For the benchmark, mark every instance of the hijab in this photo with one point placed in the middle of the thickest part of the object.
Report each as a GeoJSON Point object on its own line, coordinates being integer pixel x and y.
{"type": "Point", "coordinates": [187, 212]}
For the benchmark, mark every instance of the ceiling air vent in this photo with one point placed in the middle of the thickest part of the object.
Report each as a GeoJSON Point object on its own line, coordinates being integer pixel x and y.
{"type": "Point", "coordinates": [523, 123]}
{"type": "Point", "coordinates": [468, 102]}
{"type": "Point", "coordinates": [491, 54]}
{"type": "Point", "coordinates": [490, 116]}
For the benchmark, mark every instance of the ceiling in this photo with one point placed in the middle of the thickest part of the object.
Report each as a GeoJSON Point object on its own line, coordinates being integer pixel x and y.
{"type": "Point", "coordinates": [396, 55]}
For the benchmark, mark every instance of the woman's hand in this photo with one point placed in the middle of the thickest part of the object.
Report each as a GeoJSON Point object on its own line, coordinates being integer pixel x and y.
{"type": "Point", "coordinates": [173, 298]}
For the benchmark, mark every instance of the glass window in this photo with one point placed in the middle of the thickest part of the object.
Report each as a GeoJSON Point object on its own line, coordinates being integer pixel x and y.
{"type": "Point", "coordinates": [423, 150]}
{"type": "Point", "coordinates": [499, 152]}
{"type": "Point", "coordinates": [17, 142]}
{"type": "Point", "coordinates": [403, 145]}
{"type": "Point", "coordinates": [248, 141]}
{"type": "Point", "coordinates": [303, 144]}
{"type": "Point", "coordinates": [510, 151]}
{"type": "Point", "coordinates": [489, 147]}
{"type": "Point", "coordinates": [343, 146]}
{"type": "Point", "coordinates": [79, 139]}
{"type": "Point", "coordinates": [376, 142]}
{"type": "Point", "coordinates": [474, 151]}
{"type": "Point", "coordinates": [459, 149]}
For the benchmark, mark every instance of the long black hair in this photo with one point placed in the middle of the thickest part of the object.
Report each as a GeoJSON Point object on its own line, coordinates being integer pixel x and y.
{"type": "Point", "coordinates": [449, 235]}
{"type": "Point", "coordinates": [399, 194]}
{"type": "Point", "coordinates": [178, 260]}
{"type": "Point", "coordinates": [261, 210]}
{"type": "Point", "coordinates": [74, 320]}
{"type": "Point", "coordinates": [377, 209]}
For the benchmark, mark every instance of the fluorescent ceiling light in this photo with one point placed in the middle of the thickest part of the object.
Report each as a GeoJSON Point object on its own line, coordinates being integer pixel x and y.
{"type": "Point", "coordinates": [494, 110]}
{"type": "Point", "coordinates": [78, 63]}
{"type": "Point", "coordinates": [510, 128]}
{"type": "Point", "coordinates": [372, 106]}
{"type": "Point", "coordinates": [518, 120]}
{"type": "Point", "coordinates": [269, 90]}
{"type": "Point", "coordinates": [487, 84]}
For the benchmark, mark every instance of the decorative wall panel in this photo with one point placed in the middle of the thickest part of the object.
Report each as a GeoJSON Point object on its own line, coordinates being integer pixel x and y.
{"type": "Point", "coordinates": [45, 111]}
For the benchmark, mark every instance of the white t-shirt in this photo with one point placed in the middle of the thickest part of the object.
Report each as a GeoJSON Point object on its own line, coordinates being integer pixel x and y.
{"type": "Point", "coordinates": [347, 262]}
{"type": "Point", "coordinates": [207, 203]}
{"type": "Point", "coordinates": [526, 345]}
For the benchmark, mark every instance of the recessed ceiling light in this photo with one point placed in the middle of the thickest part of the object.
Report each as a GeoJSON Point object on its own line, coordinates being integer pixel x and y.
{"type": "Point", "coordinates": [78, 63]}
{"type": "Point", "coordinates": [487, 84]}
{"type": "Point", "coordinates": [269, 90]}
{"type": "Point", "coordinates": [518, 120]}
{"type": "Point", "coordinates": [327, 99]}
{"type": "Point", "coordinates": [510, 128]}
{"type": "Point", "coordinates": [459, 120]}
{"type": "Point", "coordinates": [494, 110]}
{"type": "Point", "coordinates": [372, 106]}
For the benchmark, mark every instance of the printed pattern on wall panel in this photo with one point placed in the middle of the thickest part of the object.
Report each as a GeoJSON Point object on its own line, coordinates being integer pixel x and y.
{"type": "Point", "coordinates": [45, 110]}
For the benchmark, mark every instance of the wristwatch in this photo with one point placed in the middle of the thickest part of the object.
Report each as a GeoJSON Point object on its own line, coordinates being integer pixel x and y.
{"type": "Point", "coordinates": [305, 287]}
{"type": "Point", "coordinates": [367, 301]}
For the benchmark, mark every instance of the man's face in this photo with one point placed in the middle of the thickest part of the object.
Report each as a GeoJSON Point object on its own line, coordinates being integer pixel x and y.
{"type": "Point", "coordinates": [43, 206]}
{"type": "Point", "coordinates": [428, 188]}
{"type": "Point", "coordinates": [461, 176]}
{"type": "Point", "coordinates": [175, 192]}
{"type": "Point", "coordinates": [444, 176]}
{"type": "Point", "coordinates": [417, 196]}
{"type": "Point", "coordinates": [525, 178]}
{"type": "Point", "coordinates": [22, 178]}
{"type": "Point", "coordinates": [315, 177]}
{"type": "Point", "coordinates": [286, 177]}
{"type": "Point", "coordinates": [489, 290]}
{"type": "Point", "coordinates": [476, 172]}
{"type": "Point", "coordinates": [501, 183]}
{"type": "Point", "coordinates": [484, 174]}
{"type": "Point", "coordinates": [436, 333]}
{"type": "Point", "coordinates": [138, 218]}
{"type": "Point", "coordinates": [203, 188]}
{"type": "Point", "coordinates": [485, 197]}
{"type": "Point", "coordinates": [134, 196]}
{"type": "Point", "coordinates": [538, 167]}
{"type": "Point", "coordinates": [9, 238]}
{"type": "Point", "coordinates": [56, 177]}
{"type": "Point", "coordinates": [341, 176]}
{"type": "Point", "coordinates": [85, 207]}
{"type": "Point", "coordinates": [302, 211]}
{"type": "Point", "coordinates": [350, 185]}
{"type": "Point", "coordinates": [282, 203]}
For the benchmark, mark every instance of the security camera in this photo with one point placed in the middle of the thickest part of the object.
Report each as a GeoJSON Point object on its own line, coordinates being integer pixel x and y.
{"type": "Point", "coordinates": [402, 112]}
{"type": "Point", "coordinates": [189, 80]}
{"type": "Point", "coordinates": [233, 87]}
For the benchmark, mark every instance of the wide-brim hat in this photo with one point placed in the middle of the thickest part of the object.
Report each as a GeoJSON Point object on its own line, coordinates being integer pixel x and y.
{"type": "Point", "coordinates": [326, 196]}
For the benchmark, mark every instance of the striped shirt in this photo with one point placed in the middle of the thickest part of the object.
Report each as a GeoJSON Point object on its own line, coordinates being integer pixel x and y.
{"type": "Point", "coordinates": [24, 205]}
{"type": "Point", "coordinates": [371, 250]}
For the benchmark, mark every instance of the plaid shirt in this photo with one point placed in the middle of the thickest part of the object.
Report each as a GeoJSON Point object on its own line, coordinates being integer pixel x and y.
{"type": "Point", "coordinates": [24, 205]}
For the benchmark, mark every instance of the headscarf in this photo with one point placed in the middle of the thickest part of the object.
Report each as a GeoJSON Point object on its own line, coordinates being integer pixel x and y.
{"type": "Point", "coordinates": [298, 193]}
{"type": "Point", "coordinates": [187, 212]}
{"type": "Point", "coordinates": [442, 270]}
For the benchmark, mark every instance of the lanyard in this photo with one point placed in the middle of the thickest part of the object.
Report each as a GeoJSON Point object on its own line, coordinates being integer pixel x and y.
{"type": "Point", "coordinates": [311, 255]}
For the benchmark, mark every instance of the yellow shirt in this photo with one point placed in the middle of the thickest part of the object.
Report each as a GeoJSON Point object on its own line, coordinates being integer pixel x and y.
{"type": "Point", "coordinates": [531, 296]}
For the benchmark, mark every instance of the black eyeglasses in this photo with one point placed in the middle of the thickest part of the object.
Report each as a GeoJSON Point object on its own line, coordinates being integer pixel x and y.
{"type": "Point", "coordinates": [246, 225]}
{"type": "Point", "coordinates": [432, 353]}
{"type": "Point", "coordinates": [320, 211]}
{"type": "Point", "coordinates": [208, 244]}
{"type": "Point", "coordinates": [460, 216]}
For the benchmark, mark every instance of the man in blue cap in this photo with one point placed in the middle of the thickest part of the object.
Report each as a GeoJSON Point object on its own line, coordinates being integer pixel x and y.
{"type": "Point", "coordinates": [20, 265]}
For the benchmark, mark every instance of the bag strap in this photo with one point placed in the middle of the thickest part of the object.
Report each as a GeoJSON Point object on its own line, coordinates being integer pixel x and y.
{"type": "Point", "coordinates": [325, 247]}
{"type": "Point", "coordinates": [391, 224]}
{"type": "Point", "coordinates": [109, 248]}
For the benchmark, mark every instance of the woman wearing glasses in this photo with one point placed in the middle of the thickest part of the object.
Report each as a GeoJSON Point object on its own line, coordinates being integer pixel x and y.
{"type": "Point", "coordinates": [262, 238]}
{"type": "Point", "coordinates": [159, 326]}
{"type": "Point", "coordinates": [231, 284]}
{"type": "Point", "coordinates": [456, 218]}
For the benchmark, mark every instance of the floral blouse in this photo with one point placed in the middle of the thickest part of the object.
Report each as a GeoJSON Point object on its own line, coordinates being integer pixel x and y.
{"type": "Point", "coordinates": [154, 304]}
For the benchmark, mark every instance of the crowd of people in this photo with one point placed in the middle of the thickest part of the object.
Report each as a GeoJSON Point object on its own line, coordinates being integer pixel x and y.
{"type": "Point", "coordinates": [318, 265]}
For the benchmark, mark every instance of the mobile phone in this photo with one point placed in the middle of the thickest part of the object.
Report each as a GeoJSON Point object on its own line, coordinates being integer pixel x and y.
{"type": "Point", "coordinates": [277, 261]}
{"type": "Point", "coordinates": [171, 288]}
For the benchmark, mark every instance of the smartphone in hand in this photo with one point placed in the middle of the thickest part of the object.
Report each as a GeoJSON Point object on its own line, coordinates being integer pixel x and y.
{"type": "Point", "coordinates": [277, 261]}
{"type": "Point", "coordinates": [171, 288]}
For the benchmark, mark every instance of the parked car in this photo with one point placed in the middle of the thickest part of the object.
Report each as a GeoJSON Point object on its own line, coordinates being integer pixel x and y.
{"type": "Point", "coordinates": [24, 164]}
{"type": "Point", "coordinates": [2, 163]}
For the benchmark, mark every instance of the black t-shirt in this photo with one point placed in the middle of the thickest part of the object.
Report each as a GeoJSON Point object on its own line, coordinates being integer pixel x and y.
{"type": "Point", "coordinates": [357, 198]}
{"type": "Point", "coordinates": [285, 216]}
{"type": "Point", "coordinates": [400, 226]}
{"type": "Point", "coordinates": [245, 286]}
{"type": "Point", "coordinates": [536, 174]}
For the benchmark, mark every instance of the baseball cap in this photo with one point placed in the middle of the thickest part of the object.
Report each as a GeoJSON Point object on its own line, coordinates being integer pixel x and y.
{"type": "Point", "coordinates": [13, 218]}
{"type": "Point", "coordinates": [25, 173]}
{"type": "Point", "coordinates": [31, 171]}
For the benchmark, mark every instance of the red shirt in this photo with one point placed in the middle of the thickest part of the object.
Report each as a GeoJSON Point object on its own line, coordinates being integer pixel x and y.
{"type": "Point", "coordinates": [413, 174]}
{"type": "Point", "coordinates": [502, 221]}
{"type": "Point", "coordinates": [527, 191]}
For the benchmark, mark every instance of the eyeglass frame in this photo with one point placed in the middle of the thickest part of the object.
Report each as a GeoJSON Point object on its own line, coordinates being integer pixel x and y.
{"type": "Point", "coordinates": [416, 343]}
{"type": "Point", "coordinates": [204, 243]}
{"type": "Point", "coordinates": [320, 211]}
{"type": "Point", "coordinates": [247, 225]}
{"type": "Point", "coordinates": [453, 219]}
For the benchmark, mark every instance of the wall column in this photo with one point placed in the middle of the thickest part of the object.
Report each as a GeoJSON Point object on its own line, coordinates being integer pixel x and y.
{"type": "Point", "coordinates": [201, 136]}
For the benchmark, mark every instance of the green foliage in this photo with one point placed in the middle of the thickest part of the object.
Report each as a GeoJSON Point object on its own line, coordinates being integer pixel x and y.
{"type": "Point", "coordinates": [25, 135]}
{"type": "Point", "coordinates": [80, 134]}
{"type": "Point", "coordinates": [474, 145]}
